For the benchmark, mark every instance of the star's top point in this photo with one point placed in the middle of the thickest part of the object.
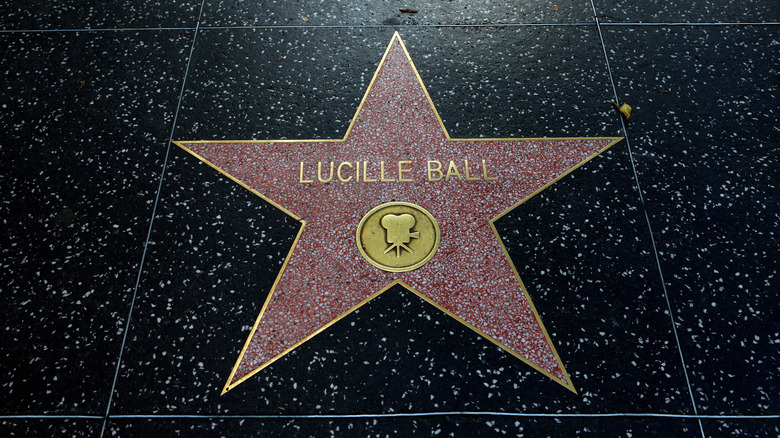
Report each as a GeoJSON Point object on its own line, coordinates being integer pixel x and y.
{"type": "Point", "coordinates": [395, 79]}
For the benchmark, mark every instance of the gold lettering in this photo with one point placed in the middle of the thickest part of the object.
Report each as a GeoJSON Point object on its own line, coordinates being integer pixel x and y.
{"type": "Point", "coordinates": [338, 171]}
{"type": "Point", "coordinates": [466, 168]}
{"type": "Point", "coordinates": [437, 170]}
{"type": "Point", "coordinates": [402, 171]}
{"type": "Point", "coordinates": [357, 171]}
{"type": "Point", "coordinates": [365, 173]}
{"type": "Point", "coordinates": [452, 171]}
{"type": "Point", "coordinates": [484, 172]}
{"type": "Point", "coordinates": [382, 173]}
{"type": "Point", "coordinates": [301, 180]}
{"type": "Point", "coordinates": [319, 173]}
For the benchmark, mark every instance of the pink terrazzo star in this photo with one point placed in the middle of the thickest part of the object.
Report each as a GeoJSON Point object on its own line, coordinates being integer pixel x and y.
{"type": "Point", "coordinates": [324, 277]}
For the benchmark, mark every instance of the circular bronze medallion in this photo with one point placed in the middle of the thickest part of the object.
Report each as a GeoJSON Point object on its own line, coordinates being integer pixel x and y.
{"type": "Point", "coordinates": [398, 236]}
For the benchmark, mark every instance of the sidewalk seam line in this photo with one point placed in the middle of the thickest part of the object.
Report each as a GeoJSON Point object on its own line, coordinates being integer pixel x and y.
{"type": "Point", "coordinates": [649, 226]}
{"type": "Point", "coordinates": [151, 223]}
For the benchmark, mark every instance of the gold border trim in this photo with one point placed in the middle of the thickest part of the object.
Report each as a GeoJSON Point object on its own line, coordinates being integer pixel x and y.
{"type": "Point", "coordinates": [396, 36]}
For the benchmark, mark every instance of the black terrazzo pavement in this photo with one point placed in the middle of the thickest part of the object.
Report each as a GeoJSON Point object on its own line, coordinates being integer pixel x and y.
{"type": "Point", "coordinates": [708, 155]}
{"type": "Point", "coordinates": [447, 425]}
{"type": "Point", "coordinates": [388, 13]}
{"type": "Point", "coordinates": [90, 348]}
{"type": "Point", "coordinates": [83, 142]}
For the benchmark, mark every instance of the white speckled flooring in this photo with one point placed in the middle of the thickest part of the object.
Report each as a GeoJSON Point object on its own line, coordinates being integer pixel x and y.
{"type": "Point", "coordinates": [131, 273]}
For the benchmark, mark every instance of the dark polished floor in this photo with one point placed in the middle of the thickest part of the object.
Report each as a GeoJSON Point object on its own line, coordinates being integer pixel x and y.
{"type": "Point", "coordinates": [131, 272]}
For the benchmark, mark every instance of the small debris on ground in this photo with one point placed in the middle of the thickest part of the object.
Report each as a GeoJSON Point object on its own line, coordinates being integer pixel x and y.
{"type": "Point", "coordinates": [625, 109]}
{"type": "Point", "coordinates": [555, 8]}
{"type": "Point", "coordinates": [65, 217]}
{"type": "Point", "coordinates": [304, 18]}
{"type": "Point", "coordinates": [662, 91]}
{"type": "Point", "coordinates": [408, 11]}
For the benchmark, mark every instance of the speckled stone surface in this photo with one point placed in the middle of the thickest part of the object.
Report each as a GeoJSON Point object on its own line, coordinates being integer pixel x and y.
{"type": "Point", "coordinates": [453, 426]}
{"type": "Point", "coordinates": [51, 427]}
{"type": "Point", "coordinates": [85, 119]}
{"type": "Point", "coordinates": [708, 155]}
{"type": "Point", "coordinates": [515, 82]}
{"type": "Point", "coordinates": [83, 141]}
{"type": "Point", "coordinates": [403, 356]}
{"type": "Point", "coordinates": [743, 427]}
{"type": "Point", "coordinates": [310, 13]}
{"type": "Point", "coordinates": [694, 11]}
{"type": "Point", "coordinates": [95, 14]}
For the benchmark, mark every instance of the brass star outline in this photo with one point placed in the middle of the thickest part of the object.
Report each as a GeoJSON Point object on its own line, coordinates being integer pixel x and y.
{"type": "Point", "coordinates": [202, 148]}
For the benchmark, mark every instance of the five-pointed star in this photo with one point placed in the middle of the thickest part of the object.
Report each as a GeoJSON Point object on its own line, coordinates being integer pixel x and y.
{"type": "Point", "coordinates": [324, 277]}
